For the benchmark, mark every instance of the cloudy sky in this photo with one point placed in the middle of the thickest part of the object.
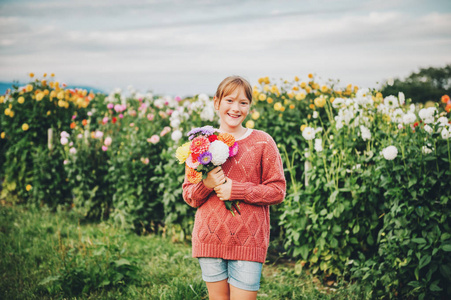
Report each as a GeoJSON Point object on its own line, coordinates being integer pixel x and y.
{"type": "Point", "coordinates": [182, 47]}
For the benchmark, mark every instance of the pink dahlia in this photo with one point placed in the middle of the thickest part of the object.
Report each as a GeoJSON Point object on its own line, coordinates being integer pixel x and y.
{"type": "Point", "coordinates": [199, 145]}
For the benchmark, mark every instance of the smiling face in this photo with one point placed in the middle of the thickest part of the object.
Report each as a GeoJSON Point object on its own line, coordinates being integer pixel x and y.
{"type": "Point", "coordinates": [233, 109]}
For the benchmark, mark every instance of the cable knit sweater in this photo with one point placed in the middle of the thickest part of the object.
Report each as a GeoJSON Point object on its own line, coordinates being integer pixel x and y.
{"type": "Point", "coordinates": [257, 181]}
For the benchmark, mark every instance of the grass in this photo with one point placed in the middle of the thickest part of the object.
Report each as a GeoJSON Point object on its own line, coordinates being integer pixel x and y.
{"type": "Point", "coordinates": [46, 255]}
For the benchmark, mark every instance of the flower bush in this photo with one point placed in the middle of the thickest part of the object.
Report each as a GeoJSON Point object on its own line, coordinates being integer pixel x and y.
{"type": "Point", "coordinates": [367, 173]}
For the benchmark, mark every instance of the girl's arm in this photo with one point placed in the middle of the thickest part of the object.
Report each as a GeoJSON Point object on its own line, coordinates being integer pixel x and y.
{"type": "Point", "coordinates": [272, 189]}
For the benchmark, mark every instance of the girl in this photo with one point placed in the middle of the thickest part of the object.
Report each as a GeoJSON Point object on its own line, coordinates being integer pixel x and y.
{"type": "Point", "coordinates": [231, 249]}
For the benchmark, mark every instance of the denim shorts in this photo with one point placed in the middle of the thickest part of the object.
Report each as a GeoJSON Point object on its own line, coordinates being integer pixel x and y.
{"type": "Point", "coordinates": [242, 274]}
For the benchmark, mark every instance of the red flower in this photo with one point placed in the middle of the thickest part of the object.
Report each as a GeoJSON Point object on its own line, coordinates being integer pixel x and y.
{"type": "Point", "coordinates": [199, 145]}
{"type": "Point", "coordinates": [212, 138]}
{"type": "Point", "coordinates": [114, 120]}
{"type": "Point", "coordinates": [415, 124]}
{"type": "Point", "coordinates": [445, 98]}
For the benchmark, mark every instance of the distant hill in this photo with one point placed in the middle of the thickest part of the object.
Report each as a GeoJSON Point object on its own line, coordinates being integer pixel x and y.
{"type": "Point", "coordinates": [8, 85]}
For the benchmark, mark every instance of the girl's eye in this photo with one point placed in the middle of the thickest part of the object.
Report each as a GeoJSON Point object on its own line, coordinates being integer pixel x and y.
{"type": "Point", "coordinates": [243, 103]}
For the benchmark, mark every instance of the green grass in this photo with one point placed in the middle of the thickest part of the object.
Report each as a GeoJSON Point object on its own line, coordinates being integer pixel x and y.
{"type": "Point", "coordinates": [46, 255]}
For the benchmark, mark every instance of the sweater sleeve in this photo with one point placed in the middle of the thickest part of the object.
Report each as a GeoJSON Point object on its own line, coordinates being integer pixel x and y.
{"type": "Point", "coordinates": [273, 185]}
{"type": "Point", "coordinates": [195, 194]}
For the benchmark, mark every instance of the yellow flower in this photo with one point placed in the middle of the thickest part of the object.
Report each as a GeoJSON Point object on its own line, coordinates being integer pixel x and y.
{"type": "Point", "coordinates": [291, 106]}
{"type": "Point", "coordinates": [7, 111]}
{"type": "Point", "coordinates": [45, 75]}
{"type": "Point", "coordinates": [262, 97]}
{"type": "Point", "coordinates": [312, 106]}
{"type": "Point", "coordinates": [303, 126]}
{"type": "Point", "coordinates": [255, 115]}
{"type": "Point", "coordinates": [295, 88]}
{"type": "Point", "coordinates": [332, 99]}
{"type": "Point", "coordinates": [2, 99]}
{"type": "Point", "coordinates": [39, 96]}
{"type": "Point", "coordinates": [31, 75]}
{"type": "Point", "coordinates": [296, 78]}
{"type": "Point", "coordinates": [48, 113]}
{"type": "Point", "coordinates": [320, 101]}
{"type": "Point", "coordinates": [270, 100]}
{"type": "Point", "coordinates": [250, 124]}
{"type": "Point", "coordinates": [267, 80]}
{"type": "Point", "coordinates": [261, 80]}
{"type": "Point", "coordinates": [28, 187]}
{"type": "Point", "coordinates": [2, 135]}
{"type": "Point", "coordinates": [29, 88]}
{"type": "Point", "coordinates": [11, 114]}
{"type": "Point", "coordinates": [324, 89]}
{"type": "Point", "coordinates": [25, 127]}
{"type": "Point", "coordinates": [291, 95]}
{"type": "Point", "coordinates": [282, 109]}
{"type": "Point", "coordinates": [52, 94]}
{"type": "Point", "coordinates": [300, 96]}
{"type": "Point", "coordinates": [274, 89]}
{"type": "Point", "coordinates": [308, 89]}
{"type": "Point", "coordinates": [278, 106]}
{"type": "Point", "coordinates": [356, 88]}
{"type": "Point", "coordinates": [53, 75]}
{"type": "Point", "coordinates": [266, 88]}
{"type": "Point", "coordinates": [255, 94]}
{"type": "Point", "coordinates": [303, 85]}
{"type": "Point", "coordinates": [21, 100]}
{"type": "Point", "coordinates": [183, 152]}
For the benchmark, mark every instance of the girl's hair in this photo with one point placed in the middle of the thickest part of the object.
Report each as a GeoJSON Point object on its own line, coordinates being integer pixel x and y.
{"type": "Point", "coordinates": [229, 84]}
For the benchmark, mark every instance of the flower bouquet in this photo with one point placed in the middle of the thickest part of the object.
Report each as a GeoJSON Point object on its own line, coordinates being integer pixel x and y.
{"type": "Point", "coordinates": [207, 149]}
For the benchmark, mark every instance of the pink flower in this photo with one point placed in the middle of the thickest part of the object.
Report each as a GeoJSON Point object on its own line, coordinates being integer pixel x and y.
{"type": "Point", "coordinates": [105, 120]}
{"type": "Point", "coordinates": [108, 141]}
{"type": "Point", "coordinates": [132, 113]}
{"type": "Point", "coordinates": [178, 98]}
{"type": "Point", "coordinates": [121, 116]}
{"type": "Point", "coordinates": [98, 134]}
{"type": "Point", "coordinates": [233, 150]}
{"type": "Point", "coordinates": [89, 113]}
{"type": "Point", "coordinates": [118, 108]}
{"type": "Point", "coordinates": [145, 160]}
{"type": "Point", "coordinates": [150, 117]}
{"type": "Point", "coordinates": [110, 106]}
{"type": "Point", "coordinates": [65, 162]}
{"type": "Point", "coordinates": [165, 130]}
{"type": "Point", "coordinates": [73, 117]}
{"type": "Point", "coordinates": [132, 124]}
{"type": "Point", "coordinates": [104, 148]}
{"type": "Point", "coordinates": [154, 139]}
{"type": "Point", "coordinates": [190, 162]}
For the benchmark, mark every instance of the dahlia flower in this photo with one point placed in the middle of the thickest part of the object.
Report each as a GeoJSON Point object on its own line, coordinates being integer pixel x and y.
{"type": "Point", "coordinates": [308, 133]}
{"type": "Point", "coordinates": [199, 144]}
{"type": "Point", "coordinates": [233, 150]}
{"type": "Point", "coordinates": [204, 158]}
{"type": "Point", "coordinates": [390, 152]}
{"type": "Point", "coordinates": [182, 152]}
{"type": "Point", "coordinates": [193, 176]}
{"type": "Point", "coordinates": [227, 138]}
{"type": "Point", "coordinates": [219, 151]}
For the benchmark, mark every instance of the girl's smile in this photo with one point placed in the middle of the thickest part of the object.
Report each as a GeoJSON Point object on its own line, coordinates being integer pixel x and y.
{"type": "Point", "coordinates": [232, 110]}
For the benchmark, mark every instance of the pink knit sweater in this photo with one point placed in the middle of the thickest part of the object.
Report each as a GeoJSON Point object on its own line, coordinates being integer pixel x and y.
{"type": "Point", "coordinates": [257, 181]}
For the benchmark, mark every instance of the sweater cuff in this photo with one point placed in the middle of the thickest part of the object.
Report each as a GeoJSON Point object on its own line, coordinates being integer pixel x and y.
{"type": "Point", "coordinates": [202, 191]}
{"type": "Point", "coordinates": [238, 190]}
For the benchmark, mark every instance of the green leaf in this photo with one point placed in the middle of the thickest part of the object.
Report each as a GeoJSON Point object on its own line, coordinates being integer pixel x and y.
{"type": "Point", "coordinates": [419, 240]}
{"type": "Point", "coordinates": [446, 247]}
{"type": "Point", "coordinates": [424, 261]}
{"type": "Point", "coordinates": [333, 196]}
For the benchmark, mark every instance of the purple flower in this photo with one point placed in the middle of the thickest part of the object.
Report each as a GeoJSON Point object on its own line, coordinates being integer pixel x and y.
{"type": "Point", "coordinates": [205, 158]}
{"type": "Point", "coordinates": [206, 130]}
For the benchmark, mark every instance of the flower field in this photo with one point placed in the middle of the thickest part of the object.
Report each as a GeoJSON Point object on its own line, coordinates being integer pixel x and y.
{"type": "Point", "coordinates": [368, 174]}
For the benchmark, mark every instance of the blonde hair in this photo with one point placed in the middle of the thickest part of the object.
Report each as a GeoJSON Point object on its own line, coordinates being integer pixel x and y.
{"type": "Point", "coordinates": [230, 84]}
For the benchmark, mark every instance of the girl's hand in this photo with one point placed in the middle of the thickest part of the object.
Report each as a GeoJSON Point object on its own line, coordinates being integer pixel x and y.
{"type": "Point", "coordinates": [224, 191]}
{"type": "Point", "coordinates": [214, 178]}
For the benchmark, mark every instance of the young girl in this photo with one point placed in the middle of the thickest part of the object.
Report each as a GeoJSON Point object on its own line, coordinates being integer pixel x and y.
{"type": "Point", "coordinates": [231, 249]}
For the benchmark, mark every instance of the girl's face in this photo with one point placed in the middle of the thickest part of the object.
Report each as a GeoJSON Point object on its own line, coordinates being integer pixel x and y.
{"type": "Point", "coordinates": [233, 109]}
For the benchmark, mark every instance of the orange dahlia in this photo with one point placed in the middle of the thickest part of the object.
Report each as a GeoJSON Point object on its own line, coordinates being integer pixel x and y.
{"type": "Point", "coordinates": [226, 138]}
{"type": "Point", "coordinates": [192, 175]}
{"type": "Point", "coordinates": [445, 98]}
{"type": "Point", "coordinates": [199, 145]}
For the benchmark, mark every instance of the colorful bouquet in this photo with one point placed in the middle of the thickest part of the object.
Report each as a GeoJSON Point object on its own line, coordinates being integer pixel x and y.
{"type": "Point", "coordinates": [206, 150]}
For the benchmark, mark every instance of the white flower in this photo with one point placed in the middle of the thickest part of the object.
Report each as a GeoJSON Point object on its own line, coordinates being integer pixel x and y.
{"type": "Point", "coordinates": [203, 97]}
{"type": "Point", "coordinates": [80, 136]}
{"type": "Point", "coordinates": [315, 115]}
{"type": "Point", "coordinates": [219, 152]}
{"type": "Point", "coordinates": [398, 115]}
{"type": "Point", "coordinates": [175, 123]}
{"type": "Point", "coordinates": [108, 141]}
{"type": "Point", "coordinates": [64, 140]}
{"type": "Point", "coordinates": [366, 133]}
{"type": "Point", "coordinates": [427, 114]}
{"type": "Point", "coordinates": [428, 129]}
{"type": "Point", "coordinates": [208, 113]}
{"type": "Point", "coordinates": [339, 122]}
{"type": "Point", "coordinates": [391, 101]}
{"type": "Point", "coordinates": [409, 118]}
{"type": "Point", "coordinates": [98, 134]}
{"type": "Point", "coordinates": [402, 98]}
{"type": "Point", "coordinates": [72, 150]}
{"type": "Point", "coordinates": [443, 121]}
{"type": "Point", "coordinates": [308, 133]}
{"type": "Point", "coordinates": [65, 134]}
{"type": "Point", "coordinates": [319, 129]}
{"type": "Point", "coordinates": [445, 134]}
{"type": "Point", "coordinates": [176, 135]}
{"type": "Point", "coordinates": [338, 103]}
{"type": "Point", "coordinates": [425, 150]}
{"type": "Point", "coordinates": [318, 145]}
{"type": "Point", "coordinates": [390, 81]}
{"type": "Point", "coordinates": [412, 108]}
{"type": "Point", "coordinates": [390, 152]}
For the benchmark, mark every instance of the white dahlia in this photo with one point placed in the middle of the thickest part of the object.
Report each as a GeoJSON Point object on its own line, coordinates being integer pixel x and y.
{"type": "Point", "coordinates": [308, 133]}
{"type": "Point", "coordinates": [390, 152]}
{"type": "Point", "coordinates": [219, 151]}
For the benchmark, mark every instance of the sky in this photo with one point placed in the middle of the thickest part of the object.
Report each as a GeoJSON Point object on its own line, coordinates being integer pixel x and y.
{"type": "Point", "coordinates": [182, 48]}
